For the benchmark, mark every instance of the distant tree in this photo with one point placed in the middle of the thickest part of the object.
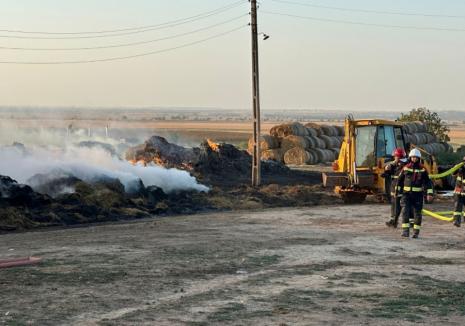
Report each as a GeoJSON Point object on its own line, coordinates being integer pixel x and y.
{"type": "Point", "coordinates": [433, 122]}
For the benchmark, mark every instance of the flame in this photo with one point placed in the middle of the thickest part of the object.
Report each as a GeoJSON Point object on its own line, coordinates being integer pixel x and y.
{"type": "Point", "coordinates": [214, 146]}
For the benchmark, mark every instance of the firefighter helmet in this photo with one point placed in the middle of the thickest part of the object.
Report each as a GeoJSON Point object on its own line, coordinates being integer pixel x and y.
{"type": "Point", "coordinates": [399, 152]}
{"type": "Point", "coordinates": [414, 153]}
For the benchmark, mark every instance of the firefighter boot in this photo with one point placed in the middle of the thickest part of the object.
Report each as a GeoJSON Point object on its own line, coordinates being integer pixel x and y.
{"type": "Point", "coordinates": [391, 223]}
{"type": "Point", "coordinates": [457, 219]}
{"type": "Point", "coordinates": [405, 233]}
{"type": "Point", "coordinates": [416, 233]}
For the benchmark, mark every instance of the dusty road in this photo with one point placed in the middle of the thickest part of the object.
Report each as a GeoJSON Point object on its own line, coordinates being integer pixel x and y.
{"type": "Point", "coordinates": [323, 265]}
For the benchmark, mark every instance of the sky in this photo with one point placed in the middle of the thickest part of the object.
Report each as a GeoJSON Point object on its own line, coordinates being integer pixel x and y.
{"type": "Point", "coordinates": [305, 64]}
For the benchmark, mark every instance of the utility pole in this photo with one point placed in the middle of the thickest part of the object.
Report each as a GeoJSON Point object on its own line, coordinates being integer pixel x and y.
{"type": "Point", "coordinates": [256, 168]}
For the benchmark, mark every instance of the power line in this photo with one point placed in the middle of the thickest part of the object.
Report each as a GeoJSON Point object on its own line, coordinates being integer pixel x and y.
{"type": "Point", "coordinates": [380, 12]}
{"type": "Point", "coordinates": [347, 22]}
{"type": "Point", "coordinates": [125, 57]}
{"type": "Point", "coordinates": [128, 44]}
{"type": "Point", "coordinates": [137, 31]}
{"type": "Point", "coordinates": [218, 10]}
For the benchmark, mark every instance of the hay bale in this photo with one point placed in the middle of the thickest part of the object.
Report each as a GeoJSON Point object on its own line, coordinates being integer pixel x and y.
{"type": "Point", "coordinates": [320, 142]}
{"type": "Point", "coordinates": [297, 156]}
{"type": "Point", "coordinates": [330, 142]}
{"type": "Point", "coordinates": [288, 129]}
{"type": "Point", "coordinates": [410, 127]}
{"type": "Point", "coordinates": [430, 138]}
{"type": "Point", "coordinates": [293, 141]}
{"type": "Point", "coordinates": [266, 142]}
{"type": "Point", "coordinates": [324, 155]}
{"type": "Point", "coordinates": [316, 127]}
{"type": "Point", "coordinates": [336, 152]}
{"type": "Point", "coordinates": [313, 132]}
{"type": "Point", "coordinates": [273, 155]}
{"type": "Point", "coordinates": [330, 131]}
{"type": "Point", "coordinates": [311, 142]}
{"type": "Point", "coordinates": [421, 126]}
{"type": "Point", "coordinates": [340, 131]}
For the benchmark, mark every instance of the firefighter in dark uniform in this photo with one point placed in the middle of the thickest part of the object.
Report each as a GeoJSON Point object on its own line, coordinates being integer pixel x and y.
{"type": "Point", "coordinates": [411, 183]}
{"type": "Point", "coordinates": [392, 170]}
{"type": "Point", "coordinates": [459, 195]}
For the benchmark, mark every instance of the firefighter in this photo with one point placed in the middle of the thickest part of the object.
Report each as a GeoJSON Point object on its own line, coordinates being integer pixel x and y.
{"type": "Point", "coordinates": [411, 183]}
{"type": "Point", "coordinates": [393, 170]}
{"type": "Point", "coordinates": [459, 195]}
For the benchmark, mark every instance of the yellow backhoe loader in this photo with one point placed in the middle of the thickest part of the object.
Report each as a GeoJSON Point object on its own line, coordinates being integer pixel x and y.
{"type": "Point", "coordinates": [367, 147]}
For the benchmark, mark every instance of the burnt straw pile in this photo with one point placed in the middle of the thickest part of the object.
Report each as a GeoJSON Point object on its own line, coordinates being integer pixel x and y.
{"type": "Point", "coordinates": [67, 196]}
{"type": "Point", "coordinates": [215, 164]}
{"type": "Point", "coordinates": [105, 199]}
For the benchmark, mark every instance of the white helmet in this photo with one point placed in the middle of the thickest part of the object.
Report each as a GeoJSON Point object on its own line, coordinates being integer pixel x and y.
{"type": "Point", "coordinates": [414, 153]}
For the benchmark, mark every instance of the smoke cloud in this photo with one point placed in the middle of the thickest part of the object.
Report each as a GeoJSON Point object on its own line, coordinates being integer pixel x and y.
{"type": "Point", "coordinates": [89, 164]}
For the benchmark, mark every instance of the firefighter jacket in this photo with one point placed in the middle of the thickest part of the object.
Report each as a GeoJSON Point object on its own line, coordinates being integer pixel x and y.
{"type": "Point", "coordinates": [414, 179]}
{"type": "Point", "coordinates": [394, 169]}
{"type": "Point", "coordinates": [460, 181]}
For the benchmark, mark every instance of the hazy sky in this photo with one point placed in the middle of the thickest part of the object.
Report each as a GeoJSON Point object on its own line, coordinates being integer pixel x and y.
{"type": "Point", "coordinates": [305, 63]}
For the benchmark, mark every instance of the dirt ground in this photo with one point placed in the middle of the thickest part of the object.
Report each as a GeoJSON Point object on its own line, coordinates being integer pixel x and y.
{"type": "Point", "coordinates": [327, 265]}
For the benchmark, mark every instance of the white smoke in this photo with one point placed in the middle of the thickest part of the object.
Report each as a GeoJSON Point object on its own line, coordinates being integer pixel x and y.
{"type": "Point", "coordinates": [89, 164]}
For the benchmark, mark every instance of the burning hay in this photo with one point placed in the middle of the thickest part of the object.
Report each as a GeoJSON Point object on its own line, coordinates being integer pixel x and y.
{"type": "Point", "coordinates": [159, 151]}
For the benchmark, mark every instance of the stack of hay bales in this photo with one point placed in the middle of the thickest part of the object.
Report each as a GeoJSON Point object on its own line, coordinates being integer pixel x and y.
{"type": "Point", "coordinates": [417, 133]}
{"type": "Point", "coordinates": [297, 144]}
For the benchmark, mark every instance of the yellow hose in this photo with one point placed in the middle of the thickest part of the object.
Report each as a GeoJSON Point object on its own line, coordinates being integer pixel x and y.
{"type": "Point", "coordinates": [438, 216]}
{"type": "Point", "coordinates": [446, 173]}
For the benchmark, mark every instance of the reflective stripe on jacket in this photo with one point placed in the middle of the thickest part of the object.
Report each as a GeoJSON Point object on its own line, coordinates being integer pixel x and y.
{"type": "Point", "coordinates": [414, 178]}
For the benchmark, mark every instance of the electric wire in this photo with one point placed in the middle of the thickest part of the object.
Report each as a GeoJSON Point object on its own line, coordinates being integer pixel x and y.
{"type": "Point", "coordinates": [380, 12]}
{"type": "Point", "coordinates": [348, 22]}
{"type": "Point", "coordinates": [218, 10]}
{"type": "Point", "coordinates": [155, 27]}
{"type": "Point", "coordinates": [126, 57]}
{"type": "Point", "coordinates": [128, 44]}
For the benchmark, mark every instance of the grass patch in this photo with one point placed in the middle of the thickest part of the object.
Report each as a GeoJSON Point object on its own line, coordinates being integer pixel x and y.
{"type": "Point", "coordinates": [425, 296]}
{"type": "Point", "coordinates": [234, 312]}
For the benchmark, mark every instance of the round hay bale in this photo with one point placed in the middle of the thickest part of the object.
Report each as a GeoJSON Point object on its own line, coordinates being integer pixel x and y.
{"type": "Point", "coordinates": [312, 132]}
{"type": "Point", "coordinates": [340, 131]}
{"type": "Point", "coordinates": [273, 155]}
{"type": "Point", "coordinates": [293, 141]}
{"type": "Point", "coordinates": [314, 126]}
{"type": "Point", "coordinates": [430, 138]}
{"type": "Point", "coordinates": [266, 142]}
{"type": "Point", "coordinates": [427, 147]}
{"type": "Point", "coordinates": [414, 139]}
{"type": "Point", "coordinates": [311, 142]}
{"type": "Point", "coordinates": [297, 156]}
{"type": "Point", "coordinates": [421, 126]}
{"type": "Point", "coordinates": [324, 155]}
{"type": "Point", "coordinates": [410, 127]}
{"type": "Point", "coordinates": [447, 147]}
{"type": "Point", "coordinates": [320, 142]}
{"type": "Point", "coordinates": [287, 129]}
{"type": "Point", "coordinates": [338, 142]}
{"type": "Point", "coordinates": [421, 138]}
{"type": "Point", "coordinates": [330, 142]}
{"type": "Point", "coordinates": [336, 152]}
{"type": "Point", "coordinates": [329, 130]}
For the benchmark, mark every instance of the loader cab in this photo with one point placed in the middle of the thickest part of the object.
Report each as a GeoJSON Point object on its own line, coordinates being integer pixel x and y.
{"type": "Point", "coordinates": [375, 143]}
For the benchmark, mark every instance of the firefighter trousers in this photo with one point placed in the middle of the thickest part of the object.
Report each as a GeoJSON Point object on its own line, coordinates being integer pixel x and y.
{"type": "Point", "coordinates": [395, 208]}
{"type": "Point", "coordinates": [458, 209]}
{"type": "Point", "coordinates": [412, 203]}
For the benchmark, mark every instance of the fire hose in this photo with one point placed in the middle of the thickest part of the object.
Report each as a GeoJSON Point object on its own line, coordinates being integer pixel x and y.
{"type": "Point", "coordinates": [446, 173]}
{"type": "Point", "coordinates": [442, 216]}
